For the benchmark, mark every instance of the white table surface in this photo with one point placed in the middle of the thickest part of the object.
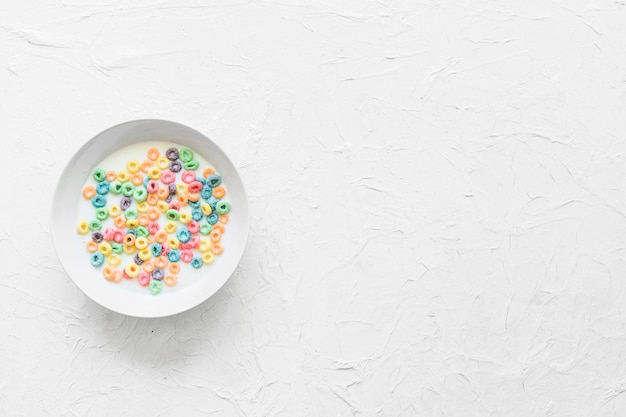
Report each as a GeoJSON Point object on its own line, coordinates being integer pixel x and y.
{"type": "Point", "coordinates": [438, 204]}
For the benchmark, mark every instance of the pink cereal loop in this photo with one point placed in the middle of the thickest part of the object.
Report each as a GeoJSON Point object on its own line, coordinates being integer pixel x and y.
{"type": "Point", "coordinates": [188, 176]}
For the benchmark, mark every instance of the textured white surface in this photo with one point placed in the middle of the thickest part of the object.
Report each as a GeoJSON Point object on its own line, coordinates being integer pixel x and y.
{"type": "Point", "coordinates": [437, 194]}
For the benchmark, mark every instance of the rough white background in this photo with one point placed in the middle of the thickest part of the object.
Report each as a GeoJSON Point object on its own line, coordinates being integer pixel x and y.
{"type": "Point", "coordinates": [437, 193]}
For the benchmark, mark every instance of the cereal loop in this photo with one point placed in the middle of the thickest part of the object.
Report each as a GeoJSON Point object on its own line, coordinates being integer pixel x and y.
{"type": "Point", "coordinates": [89, 192]}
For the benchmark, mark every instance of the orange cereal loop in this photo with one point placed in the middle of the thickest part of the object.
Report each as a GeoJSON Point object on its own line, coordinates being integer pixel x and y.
{"type": "Point", "coordinates": [151, 240]}
{"type": "Point", "coordinates": [143, 219]}
{"type": "Point", "coordinates": [219, 227]}
{"type": "Point", "coordinates": [161, 262]}
{"type": "Point", "coordinates": [145, 166]}
{"type": "Point", "coordinates": [217, 248]}
{"type": "Point", "coordinates": [193, 197]}
{"type": "Point", "coordinates": [174, 268]}
{"type": "Point", "coordinates": [163, 193]}
{"type": "Point", "coordinates": [170, 280]}
{"type": "Point", "coordinates": [129, 239]}
{"type": "Point", "coordinates": [207, 172]}
{"type": "Point", "coordinates": [109, 273]}
{"type": "Point", "coordinates": [160, 236]}
{"type": "Point", "coordinates": [111, 176]}
{"type": "Point", "coordinates": [136, 179]}
{"type": "Point", "coordinates": [224, 218]}
{"type": "Point", "coordinates": [215, 236]}
{"type": "Point", "coordinates": [92, 246]}
{"type": "Point", "coordinates": [119, 222]}
{"type": "Point", "coordinates": [147, 266]}
{"type": "Point", "coordinates": [152, 199]}
{"type": "Point", "coordinates": [182, 199]}
{"type": "Point", "coordinates": [153, 154]}
{"type": "Point", "coordinates": [89, 192]}
{"type": "Point", "coordinates": [153, 213]}
{"type": "Point", "coordinates": [219, 192]}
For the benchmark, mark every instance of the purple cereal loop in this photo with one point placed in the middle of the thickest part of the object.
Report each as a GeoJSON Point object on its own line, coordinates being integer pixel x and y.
{"type": "Point", "coordinates": [137, 259]}
{"type": "Point", "coordinates": [97, 236]}
{"type": "Point", "coordinates": [172, 154]}
{"type": "Point", "coordinates": [157, 274]}
{"type": "Point", "coordinates": [125, 203]}
{"type": "Point", "coordinates": [176, 166]}
{"type": "Point", "coordinates": [172, 189]}
{"type": "Point", "coordinates": [169, 199]}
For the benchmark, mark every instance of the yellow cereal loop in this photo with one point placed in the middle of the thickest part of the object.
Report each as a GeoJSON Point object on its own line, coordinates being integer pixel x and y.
{"type": "Point", "coordinates": [173, 243]}
{"type": "Point", "coordinates": [132, 270]}
{"type": "Point", "coordinates": [181, 188]}
{"type": "Point", "coordinates": [162, 163]}
{"type": "Point", "coordinates": [206, 208]}
{"type": "Point", "coordinates": [114, 259]}
{"type": "Point", "coordinates": [154, 173]}
{"type": "Point", "coordinates": [207, 258]}
{"type": "Point", "coordinates": [205, 245]}
{"type": "Point", "coordinates": [142, 207]}
{"type": "Point", "coordinates": [123, 176]}
{"type": "Point", "coordinates": [144, 254]}
{"type": "Point", "coordinates": [115, 210]}
{"type": "Point", "coordinates": [170, 227]}
{"type": "Point", "coordinates": [132, 223]}
{"type": "Point", "coordinates": [83, 228]}
{"type": "Point", "coordinates": [133, 166]}
{"type": "Point", "coordinates": [129, 249]}
{"type": "Point", "coordinates": [162, 206]}
{"type": "Point", "coordinates": [141, 242]}
{"type": "Point", "coordinates": [185, 217]}
{"type": "Point", "coordinates": [105, 248]}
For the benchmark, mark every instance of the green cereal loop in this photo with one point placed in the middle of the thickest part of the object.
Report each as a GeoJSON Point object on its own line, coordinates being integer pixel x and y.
{"type": "Point", "coordinates": [142, 231]}
{"type": "Point", "coordinates": [155, 286]}
{"type": "Point", "coordinates": [172, 214]}
{"type": "Point", "coordinates": [102, 214]}
{"type": "Point", "coordinates": [117, 247]}
{"type": "Point", "coordinates": [222, 207]}
{"type": "Point", "coordinates": [140, 194]}
{"type": "Point", "coordinates": [185, 155]}
{"type": "Point", "coordinates": [95, 225]}
{"type": "Point", "coordinates": [191, 165]}
{"type": "Point", "coordinates": [128, 189]}
{"type": "Point", "coordinates": [206, 228]}
{"type": "Point", "coordinates": [115, 187]}
{"type": "Point", "coordinates": [131, 213]}
{"type": "Point", "coordinates": [99, 174]}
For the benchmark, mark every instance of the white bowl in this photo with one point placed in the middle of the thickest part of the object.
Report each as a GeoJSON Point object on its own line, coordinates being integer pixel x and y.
{"type": "Point", "coordinates": [194, 286]}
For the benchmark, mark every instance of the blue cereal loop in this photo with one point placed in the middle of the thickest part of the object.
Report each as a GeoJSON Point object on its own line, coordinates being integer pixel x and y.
{"type": "Point", "coordinates": [196, 262]}
{"type": "Point", "coordinates": [103, 187]}
{"type": "Point", "coordinates": [214, 180]}
{"type": "Point", "coordinates": [213, 201]}
{"type": "Point", "coordinates": [212, 218]}
{"type": "Point", "coordinates": [183, 234]}
{"type": "Point", "coordinates": [201, 179]}
{"type": "Point", "coordinates": [96, 259]}
{"type": "Point", "coordinates": [173, 255]}
{"type": "Point", "coordinates": [196, 214]}
{"type": "Point", "coordinates": [206, 192]}
{"type": "Point", "coordinates": [156, 249]}
{"type": "Point", "coordinates": [193, 204]}
{"type": "Point", "coordinates": [99, 201]}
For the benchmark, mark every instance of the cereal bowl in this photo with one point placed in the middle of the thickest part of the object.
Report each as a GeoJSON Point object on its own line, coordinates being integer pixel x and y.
{"type": "Point", "coordinates": [150, 218]}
